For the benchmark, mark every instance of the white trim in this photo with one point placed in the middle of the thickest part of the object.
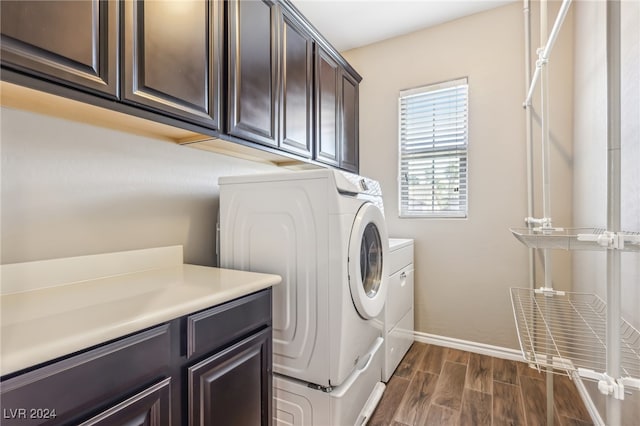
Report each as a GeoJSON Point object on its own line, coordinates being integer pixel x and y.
{"type": "Point", "coordinates": [433, 87]}
{"type": "Point", "coordinates": [469, 346]}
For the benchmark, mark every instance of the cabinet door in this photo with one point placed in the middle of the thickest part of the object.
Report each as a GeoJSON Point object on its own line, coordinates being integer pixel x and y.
{"type": "Point", "coordinates": [349, 123]}
{"type": "Point", "coordinates": [297, 86]}
{"type": "Point", "coordinates": [69, 42]}
{"type": "Point", "coordinates": [253, 70]}
{"type": "Point", "coordinates": [233, 387]}
{"type": "Point", "coordinates": [150, 407]}
{"type": "Point", "coordinates": [327, 119]}
{"type": "Point", "coordinates": [172, 56]}
{"type": "Point", "coordinates": [69, 388]}
{"type": "Point", "coordinates": [214, 328]}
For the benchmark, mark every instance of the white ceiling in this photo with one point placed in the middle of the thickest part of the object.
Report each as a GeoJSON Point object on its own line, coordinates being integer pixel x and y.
{"type": "Point", "coordinates": [348, 24]}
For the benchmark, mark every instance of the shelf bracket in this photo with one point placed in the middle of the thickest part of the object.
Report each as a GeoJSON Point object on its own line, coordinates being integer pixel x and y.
{"type": "Point", "coordinates": [544, 222]}
{"type": "Point", "coordinates": [542, 60]}
{"type": "Point", "coordinates": [548, 291]}
{"type": "Point", "coordinates": [606, 239]}
{"type": "Point", "coordinates": [610, 240]}
{"type": "Point", "coordinates": [607, 385]}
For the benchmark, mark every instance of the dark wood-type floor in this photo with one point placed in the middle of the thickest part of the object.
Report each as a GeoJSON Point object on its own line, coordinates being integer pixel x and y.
{"type": "Point", "coordinates": [440, 386]}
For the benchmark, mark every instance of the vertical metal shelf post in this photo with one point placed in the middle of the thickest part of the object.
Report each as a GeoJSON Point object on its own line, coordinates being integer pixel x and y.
{"type": "Point", "coordinates": [613, 203]}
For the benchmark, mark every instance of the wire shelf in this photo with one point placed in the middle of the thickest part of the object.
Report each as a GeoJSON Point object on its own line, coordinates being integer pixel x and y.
{"type": "Point", "coordinates": [567, 332]}
{"type": "Point", "coordinates": [571, 238]}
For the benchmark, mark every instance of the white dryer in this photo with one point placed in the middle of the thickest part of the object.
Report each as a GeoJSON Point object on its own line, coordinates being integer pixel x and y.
{"type": "Point", "coordinates": [324, 233]}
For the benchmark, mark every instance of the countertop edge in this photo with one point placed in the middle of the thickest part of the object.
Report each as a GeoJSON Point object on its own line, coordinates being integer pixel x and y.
{"type": "Point", "coordinates": [36, 354]}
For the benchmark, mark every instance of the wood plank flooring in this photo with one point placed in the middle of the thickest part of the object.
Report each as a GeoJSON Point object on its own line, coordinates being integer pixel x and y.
{"type": "Point", "coordinates": [440, 386]}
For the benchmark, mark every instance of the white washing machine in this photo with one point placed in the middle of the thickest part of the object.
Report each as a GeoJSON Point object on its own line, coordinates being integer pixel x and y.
{"type": "Point", "coordinates": [323, 232]}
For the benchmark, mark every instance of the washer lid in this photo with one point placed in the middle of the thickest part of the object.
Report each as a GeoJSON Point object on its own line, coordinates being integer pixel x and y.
{"type": "Point", "coordinates": [368, 250]}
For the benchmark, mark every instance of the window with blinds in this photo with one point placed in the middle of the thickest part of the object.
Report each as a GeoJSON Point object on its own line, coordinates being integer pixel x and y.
{"type": "Point", "coordinates": [433, 150]}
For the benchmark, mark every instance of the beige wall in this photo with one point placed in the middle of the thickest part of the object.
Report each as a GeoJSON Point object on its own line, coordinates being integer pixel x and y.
{"type": "Point", "coordinates": [590, 189]}
{"type": "Point", "coordinates": [464, 268]}
{"type": "Point", "coordinates": [71, 189]}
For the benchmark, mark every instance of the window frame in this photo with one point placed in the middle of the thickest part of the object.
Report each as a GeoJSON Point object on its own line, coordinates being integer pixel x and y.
{"type": "Point", "coordinates": [434, 214]}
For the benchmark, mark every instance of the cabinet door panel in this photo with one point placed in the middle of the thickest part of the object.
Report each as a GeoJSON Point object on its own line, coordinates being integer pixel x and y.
{"type": "Point", "coordinates": [213, 328]}
{"type": "Point", "coordinates": [253, 71]}
{"type": "Point", "coordinates": [70, 42]}
{"type": "Point", "coordinates": [233, 387]}
{"type": "Point", "coordinates": [327, 74]}
{"type": "Point", "coordinates": [349, 124]}
{"type": "Point", "coordinates": [99, 376]}
{"type": "Point", "coordinates": [150, 407]}
{"type": "Point", "coordinates": [297, 81]}
{"type": "Point", "coordinates": [172, 54]}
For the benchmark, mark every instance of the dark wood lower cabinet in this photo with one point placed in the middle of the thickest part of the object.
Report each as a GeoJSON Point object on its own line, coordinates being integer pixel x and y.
{"type": "Point", "coordinates": [233, 387]}
{"type": "Point", "coordinates": [149, 378]}
{"type": "Point", "coordinates": [151, 407]}
{"type": "Point", "coordinates": [66, 391]}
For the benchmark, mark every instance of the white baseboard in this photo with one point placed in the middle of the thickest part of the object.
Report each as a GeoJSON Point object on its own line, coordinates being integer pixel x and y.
{"type": "Point", "coordinates": [469, 346]}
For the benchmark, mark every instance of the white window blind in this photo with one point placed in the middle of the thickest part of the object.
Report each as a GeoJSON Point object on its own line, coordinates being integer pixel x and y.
{"type": "Point", "coordinates": [433, 150]}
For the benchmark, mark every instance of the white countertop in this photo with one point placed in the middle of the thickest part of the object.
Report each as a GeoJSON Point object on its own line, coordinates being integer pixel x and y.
{"type": "Point", "coordinates": [46, 322]}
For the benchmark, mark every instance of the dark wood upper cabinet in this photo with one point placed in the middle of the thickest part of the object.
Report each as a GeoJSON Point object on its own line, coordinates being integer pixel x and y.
{"type": "Point", "coordinates": [297, 87]}
{"type": "Point", "coordinates": [327, 119]}
{"type": "Point", "coordinates": [172, 56]}
{"type": "Point", "coordinates": [336, 91]}
{"type": "Point", "coordinates": [69, 42]}
{"type": "Point", "coordinates": [241, 70]}
{"type": "Point", "coordinates": [349, 123]}
{"type": "Point", "coordinates": [253, 70]}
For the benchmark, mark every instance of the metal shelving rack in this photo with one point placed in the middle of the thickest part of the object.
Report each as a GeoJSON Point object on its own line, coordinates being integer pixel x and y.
{"type": "Point", "coordinates": [566, 332]}
{"type": "Point", "coordinates": [577, 238]}
{"type": "Point", "coordinates": [575, 333]}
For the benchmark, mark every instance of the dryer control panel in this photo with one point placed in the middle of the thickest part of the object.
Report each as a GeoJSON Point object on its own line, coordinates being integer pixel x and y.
{"type": "Point", "coordinates": [359, 187]}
